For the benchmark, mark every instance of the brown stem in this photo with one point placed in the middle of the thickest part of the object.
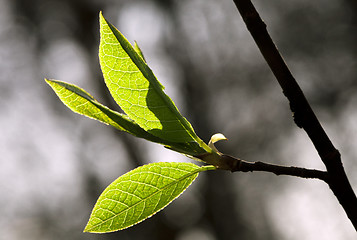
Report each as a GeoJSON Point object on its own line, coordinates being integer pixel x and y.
{"type": "Point", "coordinates": [304, 116]}
{"type": "Point", "coordinates": [245, 166]}
{"type": "Point", "coordinates": [226, 162]}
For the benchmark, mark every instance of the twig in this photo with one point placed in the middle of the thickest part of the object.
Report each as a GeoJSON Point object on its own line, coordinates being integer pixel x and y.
{"type": "Point", "coordinates": [227, 162]}
{"type": "Point", "coordinates": [304, 116]}
{"type": "Point", "coordinates": [245, 166]}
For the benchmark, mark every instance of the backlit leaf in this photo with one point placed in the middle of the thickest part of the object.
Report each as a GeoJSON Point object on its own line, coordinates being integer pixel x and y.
{"type": "Point", "coordinates": [139, 194]}
{"type": "Point", "coordinates": [83, 103]}
{"type": "Point", "coordinates": [137, 91]}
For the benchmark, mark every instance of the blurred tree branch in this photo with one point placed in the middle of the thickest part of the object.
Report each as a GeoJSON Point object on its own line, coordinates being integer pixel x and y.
{"type": "Point", "coordinates": [304, 116]}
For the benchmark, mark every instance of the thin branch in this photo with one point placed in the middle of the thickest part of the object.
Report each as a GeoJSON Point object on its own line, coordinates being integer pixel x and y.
{"type": "Point", "coordinates": [304, 116]}
{"type": "Point", "coordinates": [245, 166]}
{"type": "Point", "coordinates": [227, 162]}
{"type": "Point", "coordinates": [239, 165]}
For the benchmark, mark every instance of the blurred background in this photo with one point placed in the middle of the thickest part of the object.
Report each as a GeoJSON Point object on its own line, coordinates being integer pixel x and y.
{"type": "Point", "coordinates": [54, 163]}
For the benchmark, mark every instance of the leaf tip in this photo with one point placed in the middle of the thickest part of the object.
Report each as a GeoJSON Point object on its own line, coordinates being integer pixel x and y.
{"type": "Point", "coordinates": [101, 18]}
{"type": "Point", "coordinates": [86, 229]}
{"type": "Point", "coordinates": [217, 137]}
{"type": "Point", "coordinates": [49, 82]}
{"type": "Point", "coordinates": [90, 228]}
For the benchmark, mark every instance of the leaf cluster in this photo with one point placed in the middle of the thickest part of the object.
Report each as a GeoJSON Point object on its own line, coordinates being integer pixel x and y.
{"type": "Point", "coordinates": [149, 114]}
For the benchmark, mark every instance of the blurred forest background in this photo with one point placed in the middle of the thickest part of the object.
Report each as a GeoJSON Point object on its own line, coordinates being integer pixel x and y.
{"type": "Point", "coordinates": [54, 163]}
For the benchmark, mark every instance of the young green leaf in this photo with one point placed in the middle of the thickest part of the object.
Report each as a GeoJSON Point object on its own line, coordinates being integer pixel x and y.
{"type": "Point", "coordinates": [137, 91]}
{"type": "Point", "coordinates": [215, 138]}
{"type": "Point", "coordinates": [139, 194]}
{"type": "Point", "coordinates": [81, 102]}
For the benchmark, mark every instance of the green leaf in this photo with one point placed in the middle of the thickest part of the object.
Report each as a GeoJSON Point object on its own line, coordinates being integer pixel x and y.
{"type": "Point", "coordinates": [137, 91]}
{"type": "Point", "coordinates": [81, 102]}
{"type": "Point", "coordinates": [140, 193]}
{"type": "Point", "coordinates": [215, 138]}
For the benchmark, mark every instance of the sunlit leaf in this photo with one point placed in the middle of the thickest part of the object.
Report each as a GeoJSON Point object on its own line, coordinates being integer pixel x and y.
{"type": "Point", "coordinates": [137, 91]}
{"type": "Point", "coordinates": [83, 103]}
{"type": "Point", "coordinates": [139, 194]}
